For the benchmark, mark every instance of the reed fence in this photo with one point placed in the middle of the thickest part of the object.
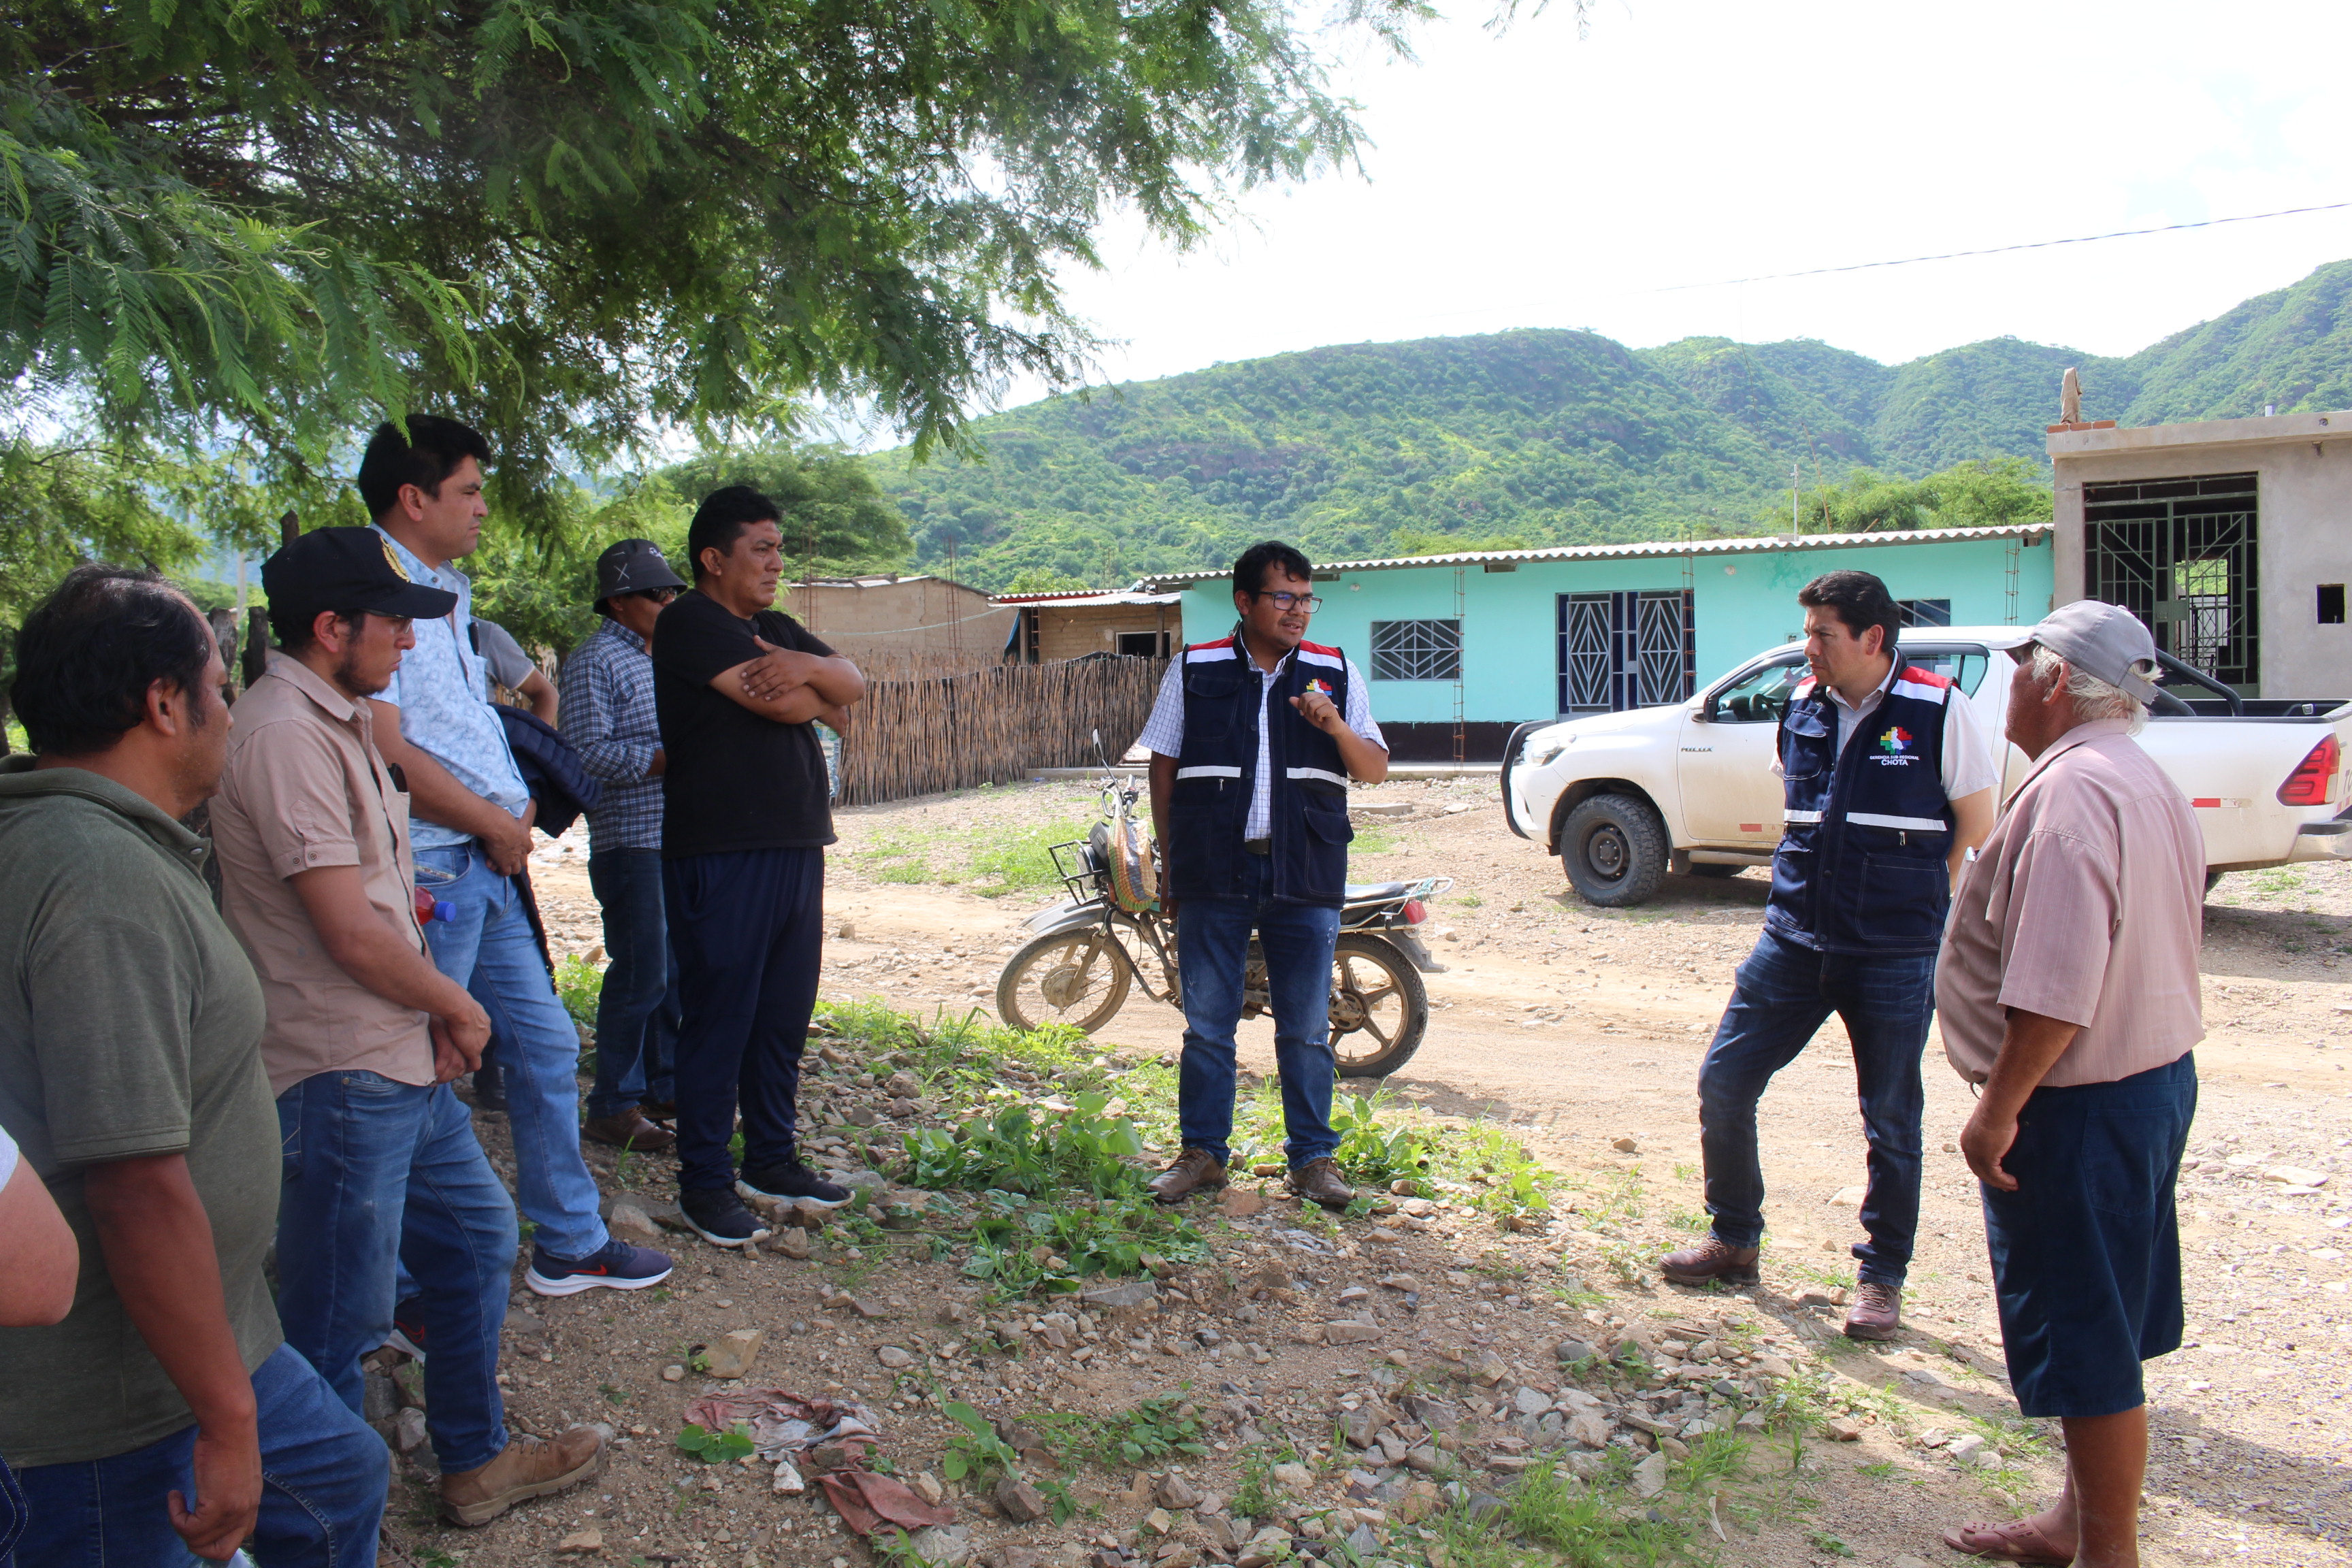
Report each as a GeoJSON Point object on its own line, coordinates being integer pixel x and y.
{"type": "Point", "coordinates": [991, 726]}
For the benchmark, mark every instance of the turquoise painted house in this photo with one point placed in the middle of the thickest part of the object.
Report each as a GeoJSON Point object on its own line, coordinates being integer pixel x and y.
{"type": "Point", "coordinates": [1484, 641]}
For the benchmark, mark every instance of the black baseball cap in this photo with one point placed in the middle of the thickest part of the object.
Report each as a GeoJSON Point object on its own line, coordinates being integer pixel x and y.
{"type": "Point", "coordinates": [631, 566]}
{"type": "Point", "coordinates": [344, 570]}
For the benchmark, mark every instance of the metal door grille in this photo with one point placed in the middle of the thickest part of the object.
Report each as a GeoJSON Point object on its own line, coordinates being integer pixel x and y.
{"type": "Point", "coordinates": [1625, 650]}
{"type": "Point", "coordinates": [2182, 554]}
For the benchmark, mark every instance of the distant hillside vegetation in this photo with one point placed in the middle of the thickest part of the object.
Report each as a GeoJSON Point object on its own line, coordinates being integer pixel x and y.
{"type": "Point", "coordinates": [1547, 436]}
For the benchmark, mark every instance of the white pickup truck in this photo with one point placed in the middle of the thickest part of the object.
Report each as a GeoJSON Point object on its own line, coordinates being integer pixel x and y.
{"type": "Point", "coordinates": [1623, 798]}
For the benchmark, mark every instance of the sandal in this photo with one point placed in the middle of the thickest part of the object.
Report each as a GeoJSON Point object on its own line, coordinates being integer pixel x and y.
{"type": "Point", "coordinates": [2019, 1540]}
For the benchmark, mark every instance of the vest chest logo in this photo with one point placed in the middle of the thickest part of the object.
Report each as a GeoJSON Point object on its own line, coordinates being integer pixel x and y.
{"type": "Point", "coordinates": [1896, 748]}
{"type": "Point", "coordinates": [1321, 688]}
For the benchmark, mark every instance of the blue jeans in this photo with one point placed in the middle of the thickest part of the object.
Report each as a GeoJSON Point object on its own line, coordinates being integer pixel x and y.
{"type": "Point", "coordinates": [748, 927]}
{"type": "Point", "coordinates": [488, 949]}
{"type": "Point", "coordinates": [1785, 993]}
{"type": "Point", "coordinates": [380, 1175]}
{"type": "Point", "coordinates": [1213, 939]}
{"type": "Point", "coordinates": [637, 1010]}
{"type": "Point", "coordinates": [323, 1474]}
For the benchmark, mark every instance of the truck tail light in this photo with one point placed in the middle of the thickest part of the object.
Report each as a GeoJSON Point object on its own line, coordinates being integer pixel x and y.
{"type": "Point", "coordinates": [2313, 782]}
{"type": "Point", "coordinates": [1415, 911]}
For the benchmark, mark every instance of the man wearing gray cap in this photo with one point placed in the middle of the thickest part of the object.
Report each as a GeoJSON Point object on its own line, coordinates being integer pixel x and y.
{"type": "Point", "coordinates": [608, 714]}
{"type": "Point", "coordinates": [2067, 990]}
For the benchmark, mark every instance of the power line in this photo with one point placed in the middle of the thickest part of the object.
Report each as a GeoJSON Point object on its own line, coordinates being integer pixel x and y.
{"type": "Point", "coordinates": [1999, 249]}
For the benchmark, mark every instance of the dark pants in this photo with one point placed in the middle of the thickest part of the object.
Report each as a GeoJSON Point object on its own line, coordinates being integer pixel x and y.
{"type": "Point", "coordinates": [2086, 1252]}
{"type": "Point", "coordinates": [1212, 937]}
{"type": "Point", "coordinates": [749, 930]}
{"type": "Point", "coordinates": [323, 1478]}
{"type": "Point", "coordinates": [1784, 993]}
{"type": "Point", "coordinates": [636, 1010]}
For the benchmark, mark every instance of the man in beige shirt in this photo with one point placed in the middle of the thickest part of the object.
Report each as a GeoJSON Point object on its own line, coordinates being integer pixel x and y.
{"type": "Point", "coordinates": [2068, 990]}
{"type": "Point", "coordinates": [364, 1033]}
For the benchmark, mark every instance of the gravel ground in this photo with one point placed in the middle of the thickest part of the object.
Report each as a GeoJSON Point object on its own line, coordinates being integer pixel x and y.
{"type": "Point", "coordinates": [1574, 1028]}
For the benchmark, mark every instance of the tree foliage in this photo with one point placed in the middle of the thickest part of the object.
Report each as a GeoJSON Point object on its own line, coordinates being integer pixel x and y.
{"type": "Point", "coordinates": [567, 220]}
{"type": "Point", "coordinates": [1973, 494]}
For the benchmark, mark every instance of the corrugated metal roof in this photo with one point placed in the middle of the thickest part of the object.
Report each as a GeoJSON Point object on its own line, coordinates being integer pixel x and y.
{"type": "Point", "coordinates": [2027, 532]}
{"type": "Point", "coordinates": [1107, 597]}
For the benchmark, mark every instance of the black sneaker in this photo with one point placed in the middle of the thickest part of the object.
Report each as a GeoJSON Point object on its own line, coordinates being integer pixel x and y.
{"type": "Point", "coordinates": [616, 1266]}
{"type": "Point", "coordinates": [720, 1218]}
{"type": "Point", "coordinates": [794, 1183]}
{"type": "Point", "coordinates": [489, 1087]}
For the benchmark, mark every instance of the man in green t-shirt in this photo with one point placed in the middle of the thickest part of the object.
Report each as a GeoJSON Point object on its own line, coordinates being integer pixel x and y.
{"type": "Point", "coordinates": [165, 1414]}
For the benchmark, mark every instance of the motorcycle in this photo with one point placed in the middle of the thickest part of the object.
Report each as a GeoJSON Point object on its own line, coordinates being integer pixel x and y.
{"type": "Point", "coordinates": [1111, 935]}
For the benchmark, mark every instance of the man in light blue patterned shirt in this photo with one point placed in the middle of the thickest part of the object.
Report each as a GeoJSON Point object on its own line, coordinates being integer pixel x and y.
{"type": "Point", "coordinates": [472, 836]}
{"type": "Point", "coordinates": [607, 705]}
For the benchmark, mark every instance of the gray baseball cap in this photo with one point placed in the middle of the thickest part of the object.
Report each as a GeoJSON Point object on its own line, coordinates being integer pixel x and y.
{"type": "Point", "coordinates": [630, 566]}
{"type": "Point", "coordinates": [2102, 640]}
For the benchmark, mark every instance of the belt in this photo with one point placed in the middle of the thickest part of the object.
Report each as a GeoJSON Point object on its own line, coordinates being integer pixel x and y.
{"type": "Point", "coordinates": [1258, 846]}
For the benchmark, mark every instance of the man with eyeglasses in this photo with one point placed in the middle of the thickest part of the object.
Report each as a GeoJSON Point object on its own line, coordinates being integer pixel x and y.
{"type": "Point", "coordinates": [608, 706]}
{"type": "Point", "coordinates": [1249, 798]}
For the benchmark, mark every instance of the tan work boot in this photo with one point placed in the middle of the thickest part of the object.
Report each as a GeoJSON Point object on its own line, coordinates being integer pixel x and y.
{"type": "Point", "coordinates": [526, 1468]}
{"type": "Point", "coordinates": [1714, 1258]}
{"type": "Point", "coordinates": [1194, 1169]}
{"type": "Point", "coordinates": [1319, 1181]}
{"type": "Point", "coordinates": [1876, 1312]}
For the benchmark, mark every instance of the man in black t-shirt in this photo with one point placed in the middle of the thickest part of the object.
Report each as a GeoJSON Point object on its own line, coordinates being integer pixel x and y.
{"type": "Point", "coordinates": [738, 689]}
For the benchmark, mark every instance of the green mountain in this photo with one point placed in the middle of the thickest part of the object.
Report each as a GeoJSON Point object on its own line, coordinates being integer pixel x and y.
{"type": "Point", "coordinates": [1546, 437]}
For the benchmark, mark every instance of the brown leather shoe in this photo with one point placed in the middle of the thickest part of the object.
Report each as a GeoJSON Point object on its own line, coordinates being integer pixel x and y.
{"type": "Point", "coordinates": [629, 1129]}
{"type": "Point", "coordinates": [658, 1109]}
{"type": "Point", "coordinates": [1713, 1259]}
{"type": "Point", "coordinates": [526, 1468]}
{"type": "Point", "coordinates": [1877, 1311]}
{"type": "Point", "coordinates": [1194, 1169]}
{"type": "Point", "coordinates": [1318, 1181]}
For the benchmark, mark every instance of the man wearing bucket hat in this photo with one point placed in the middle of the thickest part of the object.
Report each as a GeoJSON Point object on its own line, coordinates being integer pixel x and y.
{"type": "Point", "coordinates": [2067, 991]}
{"type": "Point", "coordinates": [608, 714]}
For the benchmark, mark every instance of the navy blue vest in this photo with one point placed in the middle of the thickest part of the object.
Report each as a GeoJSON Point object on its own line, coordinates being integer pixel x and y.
{"type": "Point", "coordinates": [1210, 808]}
{"type": "Point", "coordinates": [1860, 862]}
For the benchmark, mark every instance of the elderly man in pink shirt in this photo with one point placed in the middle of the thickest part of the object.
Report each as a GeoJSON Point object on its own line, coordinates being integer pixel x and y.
{"type": "Point", "coordinates": [2067, 990]}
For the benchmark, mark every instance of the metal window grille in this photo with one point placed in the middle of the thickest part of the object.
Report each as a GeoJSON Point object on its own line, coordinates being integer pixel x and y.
{"type": "Point", "coordinates": [1924, 612]}
{"type": "Point", "coordinates": [1625, 650]}
{"type": "Point", "coordinates": [2183, 555]}
{"type": "Point", "coordinates": [1417, 650]}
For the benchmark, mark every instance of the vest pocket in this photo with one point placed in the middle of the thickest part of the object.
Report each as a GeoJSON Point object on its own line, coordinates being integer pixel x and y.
{"type": "Point", "coordinates": [1904, 898]}
{"type": "Point", "coordinates": [1327, 822]}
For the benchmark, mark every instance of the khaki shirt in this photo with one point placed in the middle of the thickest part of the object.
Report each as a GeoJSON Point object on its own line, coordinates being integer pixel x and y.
{"type": "Point", "coordinates": [2087, 905]}
{"type": "Point", "coordinates": [306, 787]}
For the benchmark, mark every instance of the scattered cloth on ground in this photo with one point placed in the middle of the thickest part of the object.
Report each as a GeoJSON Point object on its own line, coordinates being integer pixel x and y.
{"type": "Point", "coordinates": [831, 1437]}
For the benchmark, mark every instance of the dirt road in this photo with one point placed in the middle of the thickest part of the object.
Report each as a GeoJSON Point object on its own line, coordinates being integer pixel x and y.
{"type": "Point", "coordinates": [1581, 1026]}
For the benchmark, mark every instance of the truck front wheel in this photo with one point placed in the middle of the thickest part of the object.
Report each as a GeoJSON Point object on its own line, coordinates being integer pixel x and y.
{"type": "Point", "coordinates": [1613, 848]}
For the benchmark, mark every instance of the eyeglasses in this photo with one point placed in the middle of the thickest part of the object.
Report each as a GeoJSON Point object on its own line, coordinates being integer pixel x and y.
{"type": "Point", "coordinates": [658, 595]}
{"type": "Point", "coordinates": [1308, 602]}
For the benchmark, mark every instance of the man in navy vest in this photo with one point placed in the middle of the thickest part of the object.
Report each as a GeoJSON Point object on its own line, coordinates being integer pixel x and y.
{"type": "Point", "coordinates": [1254, 739]}
{"type": "Point", "coordinates": [1889, 784]}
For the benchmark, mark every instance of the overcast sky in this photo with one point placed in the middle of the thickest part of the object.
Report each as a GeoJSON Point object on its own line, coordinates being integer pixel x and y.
{"type": "Point", "coordinates": [1532, 179]}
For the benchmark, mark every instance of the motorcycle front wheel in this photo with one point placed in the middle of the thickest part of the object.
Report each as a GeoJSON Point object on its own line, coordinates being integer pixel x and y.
{"type": "Point", "coordinates": [1064, 978]}
{"type": "Point", "coordinates": [1380, 1009]}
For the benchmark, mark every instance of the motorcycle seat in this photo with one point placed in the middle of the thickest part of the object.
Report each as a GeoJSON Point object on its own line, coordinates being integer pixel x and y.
{"type": "Point", "coordinates": [1375, 893]}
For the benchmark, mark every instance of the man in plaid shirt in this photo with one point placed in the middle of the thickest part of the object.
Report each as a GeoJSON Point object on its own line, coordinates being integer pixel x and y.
{"type": "Point", "coordinates": [607, 708]}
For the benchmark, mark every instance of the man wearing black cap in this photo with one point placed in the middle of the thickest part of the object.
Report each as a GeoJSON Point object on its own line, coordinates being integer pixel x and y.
{"type": "Point", "coordinates": [364, 1032]}
{"type": "Point", "coordinates": [608, 715]}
